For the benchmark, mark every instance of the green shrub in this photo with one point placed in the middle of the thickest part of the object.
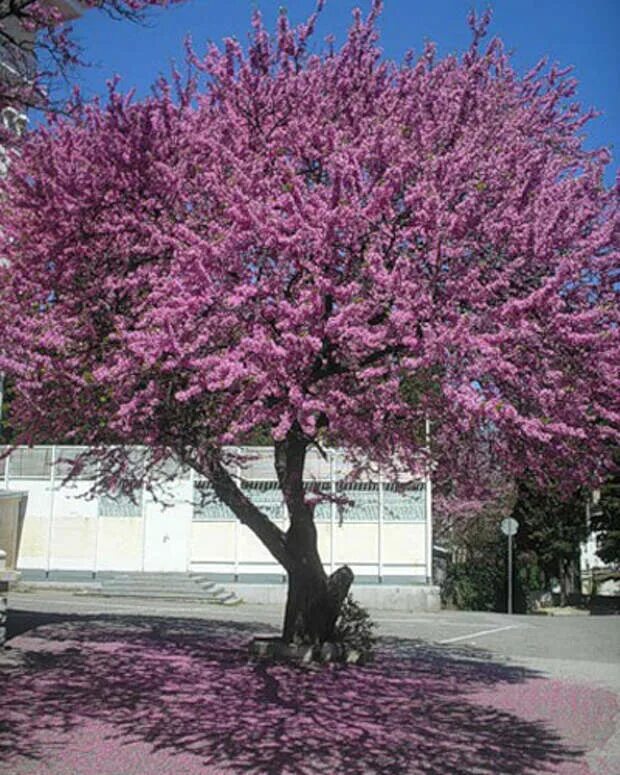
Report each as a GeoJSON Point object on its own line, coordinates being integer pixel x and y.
{"type": "Point", "coordinates": [354, 628]}
{"type": "Point", "coordinates": [471, 587]}
{"type": "Point", "coordinates": [482, 586]}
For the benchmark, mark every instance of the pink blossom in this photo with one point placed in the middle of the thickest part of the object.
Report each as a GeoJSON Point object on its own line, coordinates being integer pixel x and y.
{"type": "Point", "coordinates": [289, 239]}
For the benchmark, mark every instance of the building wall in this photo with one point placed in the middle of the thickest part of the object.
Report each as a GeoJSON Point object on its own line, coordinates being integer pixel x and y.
{"type": "Point", "coordinates": [66, 531]}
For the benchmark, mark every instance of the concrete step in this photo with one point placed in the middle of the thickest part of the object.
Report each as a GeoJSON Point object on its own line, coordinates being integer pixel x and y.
{"type": "Point", "coordinates": [139, 576]}
{"type": "Point", "coordinates": [164, 586]}
{"type": "Point", "coordinates": [191, 589]}
{"type": "Point", "coordinates": [227, 599]}
{"type": "Point", "coordinates": [176, 585]}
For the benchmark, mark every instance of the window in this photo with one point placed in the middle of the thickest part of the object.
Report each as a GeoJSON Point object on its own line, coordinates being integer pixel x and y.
{"type": "Point", "coordinates": [119, 505]}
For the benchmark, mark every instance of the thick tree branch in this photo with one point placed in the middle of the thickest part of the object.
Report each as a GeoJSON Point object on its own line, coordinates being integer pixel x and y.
{"type": "Point", "coordinates": [228, 491]}
{"type": "Point", "coordinates": [290, 455]}
{"type": "Point", "coordinates": [332, 368]}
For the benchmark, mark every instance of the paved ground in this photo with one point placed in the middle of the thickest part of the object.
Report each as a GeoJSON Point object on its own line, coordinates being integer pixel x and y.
{"type": "Point", "coordinates": [122, 687]}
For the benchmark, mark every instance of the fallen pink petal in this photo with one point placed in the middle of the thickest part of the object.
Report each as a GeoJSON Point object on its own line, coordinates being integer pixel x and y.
{"type": "Point", "coordinates": [131, 695]}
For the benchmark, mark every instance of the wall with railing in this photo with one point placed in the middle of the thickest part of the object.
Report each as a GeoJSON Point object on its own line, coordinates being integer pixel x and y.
{"type": "Point", "coordinates": [379, 529]}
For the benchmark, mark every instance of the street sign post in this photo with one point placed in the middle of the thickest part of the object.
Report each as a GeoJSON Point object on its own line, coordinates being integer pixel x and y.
{"type": "Point", "coordinates": [509, 527]}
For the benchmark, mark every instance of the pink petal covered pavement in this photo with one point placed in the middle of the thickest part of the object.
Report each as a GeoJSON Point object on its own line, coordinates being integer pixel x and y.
{"type": "Point", "coordinates": [134, 695]}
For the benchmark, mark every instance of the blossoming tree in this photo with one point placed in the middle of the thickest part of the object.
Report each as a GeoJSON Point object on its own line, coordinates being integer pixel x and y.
{"type": "Point", "coordinates": [333, 248]}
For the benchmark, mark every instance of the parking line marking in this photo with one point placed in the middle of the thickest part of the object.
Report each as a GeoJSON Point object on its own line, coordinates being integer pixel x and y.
{"type": "Point", "coordinates": [480, 633]}
{"type": "Point", "coordinates": [418, 620]}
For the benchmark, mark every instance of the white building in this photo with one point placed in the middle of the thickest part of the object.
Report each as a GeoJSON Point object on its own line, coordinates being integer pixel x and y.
{"type": "Point", "coordinates": [385, 535]}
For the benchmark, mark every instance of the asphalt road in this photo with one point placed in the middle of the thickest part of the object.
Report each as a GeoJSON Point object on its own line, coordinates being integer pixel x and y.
{"type": "Point", "coordinates": [580, 647]}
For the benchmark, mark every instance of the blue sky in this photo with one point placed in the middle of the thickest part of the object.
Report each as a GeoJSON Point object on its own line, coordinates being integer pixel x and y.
{"type": "Point", "coordinates": [581, 33]}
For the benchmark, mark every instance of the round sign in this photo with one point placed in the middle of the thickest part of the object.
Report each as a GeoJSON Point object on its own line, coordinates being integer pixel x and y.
{"type": "Point", "coordinates": [509, 526]}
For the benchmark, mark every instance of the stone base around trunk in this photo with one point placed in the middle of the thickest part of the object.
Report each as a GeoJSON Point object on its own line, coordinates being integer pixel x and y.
{"type": "Point", "coordinates": [273, 647]}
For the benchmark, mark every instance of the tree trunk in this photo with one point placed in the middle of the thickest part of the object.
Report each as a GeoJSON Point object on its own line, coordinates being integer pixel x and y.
{"type": "Point", "coordinates": [314, 599]}
{"type": "Point", "coordinates": [574, 576]}
{"type": "Point", "coordinates": [313, 604]}
{"type": "Point", "coordinates": [563, 582]}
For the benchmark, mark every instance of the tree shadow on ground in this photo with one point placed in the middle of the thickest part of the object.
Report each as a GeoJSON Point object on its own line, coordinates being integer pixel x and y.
{"type": "Point", "coordinates": [188, 686]}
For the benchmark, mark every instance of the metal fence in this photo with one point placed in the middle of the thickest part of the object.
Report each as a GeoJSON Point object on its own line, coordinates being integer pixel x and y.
{"type": "Point", "coordinates": [351, 501]}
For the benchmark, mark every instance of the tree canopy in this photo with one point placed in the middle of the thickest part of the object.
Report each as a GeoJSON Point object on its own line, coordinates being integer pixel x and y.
{"type": "Point", "coordinates": [284, 244]}
{"type": "Point", "coordinates": [333, 247]}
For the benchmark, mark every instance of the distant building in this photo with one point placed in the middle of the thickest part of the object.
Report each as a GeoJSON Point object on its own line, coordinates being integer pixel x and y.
{"type": "Point", "coordinates": [597, 577]}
